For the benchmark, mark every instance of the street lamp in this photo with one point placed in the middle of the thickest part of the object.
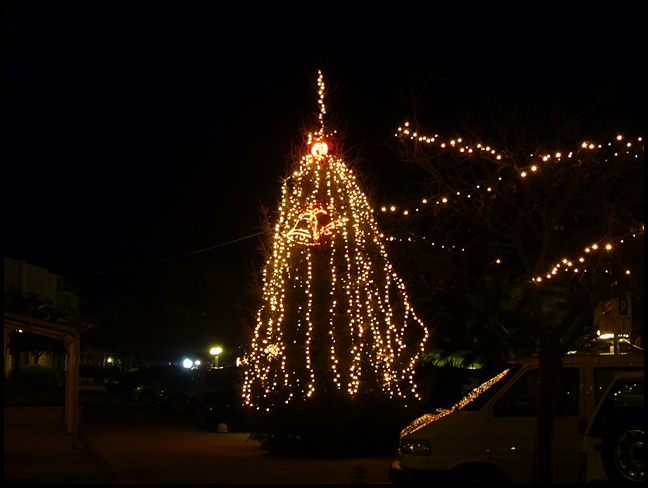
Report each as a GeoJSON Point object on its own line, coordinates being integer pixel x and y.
{"type": "Point", "coordinates": [215, 351]}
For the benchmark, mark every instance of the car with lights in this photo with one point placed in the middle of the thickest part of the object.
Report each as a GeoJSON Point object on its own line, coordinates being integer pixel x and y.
{"type": "Point", "coordinates": [489, 435]}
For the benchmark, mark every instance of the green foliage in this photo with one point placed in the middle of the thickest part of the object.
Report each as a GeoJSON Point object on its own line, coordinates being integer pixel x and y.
{"type": "Point", "coordinates": [33, 385]}
{"type": "Point", "coordinates": [335, 427]}
{"type": "Point", "coordinates": [34, 376]}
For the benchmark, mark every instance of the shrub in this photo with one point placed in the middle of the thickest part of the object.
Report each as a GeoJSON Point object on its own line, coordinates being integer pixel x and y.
{"type": "Point", "coordinates": [33, 385]}
{"type": "Point", "coordinates": [334, 427]}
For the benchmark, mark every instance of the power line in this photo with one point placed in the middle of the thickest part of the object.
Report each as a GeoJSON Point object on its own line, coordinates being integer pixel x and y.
{"type": "Point", "coordinates": [170, 258]}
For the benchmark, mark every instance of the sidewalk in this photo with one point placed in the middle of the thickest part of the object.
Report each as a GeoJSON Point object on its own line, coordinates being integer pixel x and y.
{"type": "Point", "coordinates": [45, 455]}
{"type": "Point", "coordinates": [134, 449]}
{"type": "Point", "coordinates": [37, 454]}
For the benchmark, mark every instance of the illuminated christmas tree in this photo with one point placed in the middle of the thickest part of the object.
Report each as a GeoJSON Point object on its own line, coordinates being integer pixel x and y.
{"type": "Point", "coordinates": [335, 319]}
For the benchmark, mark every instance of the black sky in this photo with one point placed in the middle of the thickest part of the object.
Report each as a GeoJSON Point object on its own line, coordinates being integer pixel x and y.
{"type": "Point", "coordinates": [139, 133]}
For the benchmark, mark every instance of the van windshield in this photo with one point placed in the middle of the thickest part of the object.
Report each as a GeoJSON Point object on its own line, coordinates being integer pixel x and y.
{"type": "Point", "coordinates": [479, 396]}
{"type": "Point", "coordinates": [475, 400]}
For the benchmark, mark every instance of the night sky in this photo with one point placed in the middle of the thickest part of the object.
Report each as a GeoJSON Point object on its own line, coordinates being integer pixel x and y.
{"type": "Point", "coordinates": [140, 134]}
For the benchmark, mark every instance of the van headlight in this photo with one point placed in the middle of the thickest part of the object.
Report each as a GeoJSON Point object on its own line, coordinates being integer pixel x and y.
{"type": "Point", "coordinates": [415, 447]}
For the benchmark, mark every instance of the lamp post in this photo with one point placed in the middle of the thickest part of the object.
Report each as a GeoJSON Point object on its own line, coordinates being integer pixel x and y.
{"type": "Point", "coordinates": [215, 351]}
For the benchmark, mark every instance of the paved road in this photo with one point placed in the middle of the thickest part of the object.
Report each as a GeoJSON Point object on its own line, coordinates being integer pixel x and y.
{"type": "Point", "coordinates": [135, 444]}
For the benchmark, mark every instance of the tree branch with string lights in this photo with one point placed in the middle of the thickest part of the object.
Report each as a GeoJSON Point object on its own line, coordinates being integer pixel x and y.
{"type": "Point", "coordinates": [516, 247]}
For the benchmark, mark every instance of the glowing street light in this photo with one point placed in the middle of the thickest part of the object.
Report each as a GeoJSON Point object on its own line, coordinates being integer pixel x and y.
{"type": "Point", "coordinates": [216, 351]}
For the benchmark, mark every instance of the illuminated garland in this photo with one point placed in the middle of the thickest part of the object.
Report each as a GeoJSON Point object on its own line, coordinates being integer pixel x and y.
{"type": "Point", "coordinates": [574, 264]}
{"type": "Point", "coordinates": [335, 315]}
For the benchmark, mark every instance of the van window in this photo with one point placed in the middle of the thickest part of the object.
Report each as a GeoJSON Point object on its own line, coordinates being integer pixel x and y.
{"type": "Point", "coordinates": [522, 398]}
{"type": "Point", "coordinates": [604, 376]}
{"type": "Point", "coordinates": [480, 396]}
{"type": "Point", "coordinates": [622, 402]}
{"type": "Point", "coordinates": [569, 393]}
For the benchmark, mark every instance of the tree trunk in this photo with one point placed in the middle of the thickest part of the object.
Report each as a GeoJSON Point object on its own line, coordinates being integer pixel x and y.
{"type": "Point", "coordinates": [550, 365]}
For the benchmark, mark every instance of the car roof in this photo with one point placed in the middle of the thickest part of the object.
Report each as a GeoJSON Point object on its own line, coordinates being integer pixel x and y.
{"type": "Point", "coordinates": [576, 359]}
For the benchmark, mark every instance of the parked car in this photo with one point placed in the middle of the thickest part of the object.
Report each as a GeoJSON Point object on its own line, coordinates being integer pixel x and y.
{"type": "Point", "coordinates": [489, 435]}
{"type": "Point", "coordinates": [146, 393]}
{"type": "Point", "coordinates": [125, 383]}
{"type": "Point", "coordinates": [613, 443]}
{"type": "Point", "coordinates": [223, 411]}
{"type": "Point", "coordinates": [205, 388]}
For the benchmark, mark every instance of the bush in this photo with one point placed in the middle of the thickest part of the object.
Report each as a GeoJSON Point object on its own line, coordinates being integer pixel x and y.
{"type": "Point", "coordinates": [335, 427]}
{"type": "Point", "coordinates": [33, 385]}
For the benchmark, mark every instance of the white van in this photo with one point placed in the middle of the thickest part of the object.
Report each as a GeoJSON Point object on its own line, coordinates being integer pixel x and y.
{"type": "Point", "coordinates": [489, 435]}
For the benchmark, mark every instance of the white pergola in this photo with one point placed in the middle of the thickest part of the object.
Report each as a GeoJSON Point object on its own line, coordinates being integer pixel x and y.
{"type": "Point", "coordinates": [70, 338]}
